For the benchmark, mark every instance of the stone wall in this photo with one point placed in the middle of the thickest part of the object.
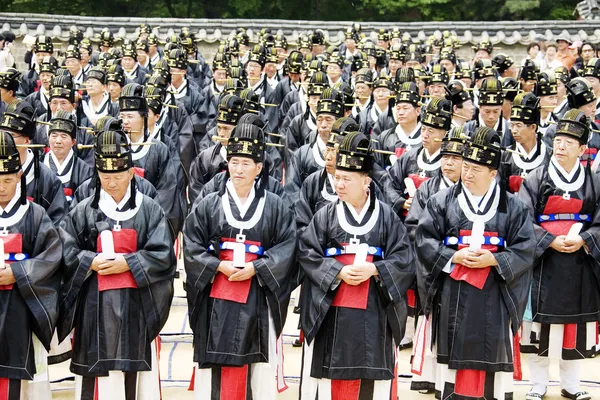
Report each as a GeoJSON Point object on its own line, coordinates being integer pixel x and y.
{"type": "Point", "coordinates": [510, 37]}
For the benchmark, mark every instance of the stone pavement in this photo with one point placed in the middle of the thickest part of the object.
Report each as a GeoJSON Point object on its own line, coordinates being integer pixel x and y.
{"type": "Point", "coordinates": [176, 364]}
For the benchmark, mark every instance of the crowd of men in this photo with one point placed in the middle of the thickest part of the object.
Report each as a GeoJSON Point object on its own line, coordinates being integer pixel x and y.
{"type": "Point", "coordinates": [413, 199]}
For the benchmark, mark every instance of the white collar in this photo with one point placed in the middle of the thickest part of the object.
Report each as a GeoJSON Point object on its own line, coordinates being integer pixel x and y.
{"type": "Point", "coordinates": [429, 166]}
{"type": "Point", "coordinates": [155, 58]}
{"type": "Point", "coordinates": [256, 87]}
{"type": "Point", "coordinates": [481, 123]}
{"type": "Point", "coordinates": [6, 222]}
{"type": "Point", "coordinates": [554, 168]}
{"type": "Point", "coordinates": [358, 217]}
{"type": "Point", "coordinates": [28, 161]}
{"type": "Point", "coordinates": [375, 111]}
{"type": "Point", "coordinates": [223, 152]}
{"type": "Point", "coordinates": [531, 162]}
{"type": "Point", "coordinates": [138, 155]}
{"type": "Point", "coordinates": [411, 139]}
{"type": "Point", "coordinates": [479, 203]}
{"type": "Point", "coordinates": [326, 195]}
{"type": "Point", "coordinates": [179, 93]}
{"type": "Point", "coordinates": [317, 152]}
{"type": "Point", "coordinates": [241, 225]}
{"type": "Point", "coordinates": [111, 209]}
{"type": "Point", "coordinates": [560, 106]}
{"type": "Point", "coordinates": [243, 208]}
{"type": "Point", "coordinates": [445, 183]}
{"type": "Point", "coordinates": [44, 97]}
{"type": "Point", "coordinates": [311, 124]}
{"type": "Point", "coordinates": [60, 168]}
{"type": "Point", "coordinates": [131, 74]}
{"type": "Point", "coordinates": [357, 230]}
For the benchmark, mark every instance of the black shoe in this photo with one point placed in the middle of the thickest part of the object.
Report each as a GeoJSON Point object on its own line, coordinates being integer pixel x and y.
{"type": "Point", "coordinates": [534, 396]}
{"type": "Point", "coordinates": [297, 343]}
{"type": "Point", "coordinates": [576, 396]}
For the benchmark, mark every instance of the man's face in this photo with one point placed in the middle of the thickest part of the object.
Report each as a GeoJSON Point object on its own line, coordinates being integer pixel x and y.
{"type": "Point", "coordinates": [350, 44]}
{"type": "Point", "coordinates": [141, 56]}
{"type": "Point", "coordinates": [482, 55]}
{"type": "Point", "coordinates": [312, 102]}
{"type": "Point", "coordinates": [490, 114]}
{"type": "Point", "coordinates": [587, 52]}
{"type": "Point", "coordinates": [329, 155]}
{"type": "Point", "coordinates": [351, 186]}
{"type": "Point", "coordinates": [549, 102]}
{"type": "Point", "coordinates": [467, 81]}
{"type": "Point", "coordinates": [133, 122]}
{"type": "Point", "coordinates": [384, 44]}
{"type": "Point", "coordinates": [372, 62]}
{"type": "Point", "coordinates": [281, 54]}
{"type": "Point", "coordinates": [412, 64]}
{"type": "Point", "coordinates": [114, 89]}
{"type": "Point", "coordinates": [8, 187]}
{"type": "Point", "coordinates": [128, 63]}
{"type": "Point", "coordinates": [363, 92]}
{"type": "Point", "coordinates": [477, 178]}
{"type": "Point", "coordinates": [116, 183]}
{"type": "Point", "coordinates": [270, 70]}
{"type": "Point", "coordinates": [562, 45]}
{"type": "Point", "coordinates": [561, 91]}
{"type": "Point", "coordinates": [60, 143]}
{"type": "Point", "coordinates": [465, 111]}
{"type": "Point", "coordinates": [177, 75]}
{"type": "Point", "coordinates": [6, 95]}
{"type": "Point", "coordinates": [407, 114]}
{"type": "Point", "coordinates": [85, 56]}
{"type": "Point", "coordinates": [73, 65]}
{"type": "Point", "coordinates": [41, 54]}
{"type": "Point", "coordinates": [58, 103]}
{"type": "Point", "coordinates": [448, 65]}
{"type": "Point", "coordinates": [46, 78]}
{"type": "Point", "coordinates": [324, 124]}
{"type": "Point", "coordinates": [437, 89]}
{"type": "Point", "coordinates": [594, 83]}
{"type": "Point", "coordinates": [220, 76]}
{"type": "Point", "coordinates": [528, 85]}
{"type": "Point", "coordinates": [382, 95]}
{"type": "Point", "coordinates": [523, 133]}
{"type": "Point", "coordinates": [566, 149]}
{"type": "Point", "coordinates": [94, 87]}
{"type": "Point", "coordinates": [394, 66]}
{"type": "Point", "coordinates": [224, 131]}
{"type": "Point", "coordinates": [451, 167]}
{"type": "Point", "coordinates": [318, 49]}
{"type": "Point", "coordinates": [432, 138]}
{"type": "Point", "coordinates": [243, 171]}
{"type": "Point", "coordinates": [589, 109]}
{"type": "Point", "coordinates": [334, 72]}
{"type": "Point", "coordinates": [254, 70]}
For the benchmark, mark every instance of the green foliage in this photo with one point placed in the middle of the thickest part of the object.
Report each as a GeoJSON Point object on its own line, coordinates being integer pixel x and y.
{"type": "Point", "coordinates": [333, 10]}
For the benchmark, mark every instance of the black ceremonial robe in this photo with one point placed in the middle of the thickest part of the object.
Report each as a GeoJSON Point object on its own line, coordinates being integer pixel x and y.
{"type": "Point", "coordinates": [71, 174]}
{"type": "Point", "coordinates": [472, 324]}
{"type": "Point", "coordinates": [30, 304]}
{"type": "Point", "coordinates": [139, 300]}
{"type": "Point", "coordinates": [240, 335]}
{"type": "Point", "coordinates": [344, 349]}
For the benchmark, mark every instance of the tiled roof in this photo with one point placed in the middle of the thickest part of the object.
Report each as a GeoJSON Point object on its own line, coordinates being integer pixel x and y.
{"type": "Point", "coordinates": [213, 30]}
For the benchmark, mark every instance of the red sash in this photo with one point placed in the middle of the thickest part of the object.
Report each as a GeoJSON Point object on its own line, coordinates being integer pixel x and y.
{"type": "Point", "coordinates": [139, 171]}
{"type": "Point", "coordinates": [473, 276]}
{"type": "Point", "coordinates": [399, 151]}
{"type": "Point", "coordinates": [588, 156]}
{"type": "Point", "coordinates": [349, 296]}
{"type": "Point", "coordinates": [13, 243]}
{"type": "Point", "coordinates": [237, 291]}
{"type": "Point", "coordinates": [418, 181]}
{"type": "Point", "coordinates": [557, 205]}
{"type": "Point", "coordinates": [514, 183]}
{"type": "Point", "coordinates": [125, 241]}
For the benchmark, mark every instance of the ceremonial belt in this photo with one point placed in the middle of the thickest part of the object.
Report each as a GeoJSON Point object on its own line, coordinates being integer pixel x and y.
{"type": "Point", "coordinates": [466, 240]}
{"type": "Point", "coordinates": [15, 257]}
{"type": "Point", "coordinates": [250, 248]}
{"type": "Point", "coordinates": [334, 251]}
{"type": "Point", "coordinates": [564, 217]}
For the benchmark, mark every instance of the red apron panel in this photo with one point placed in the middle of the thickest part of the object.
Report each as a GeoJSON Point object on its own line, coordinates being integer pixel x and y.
{"type": "Point", "coordinates": [125, 241]}
{"type": "Point", "coordinates": [473, 276]}
{"type": "Point", "coordinates": [350, 296]}
{"type": "Point", "coordinates": [222, 288]}
{"type": "Point", "coordinates": [558, 205]}
{"type": "Point", "coordinates": [13, 243]}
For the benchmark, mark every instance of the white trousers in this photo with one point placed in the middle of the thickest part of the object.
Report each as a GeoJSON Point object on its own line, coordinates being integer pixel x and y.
{"type": "Point", "coordinates": [539, 368]}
